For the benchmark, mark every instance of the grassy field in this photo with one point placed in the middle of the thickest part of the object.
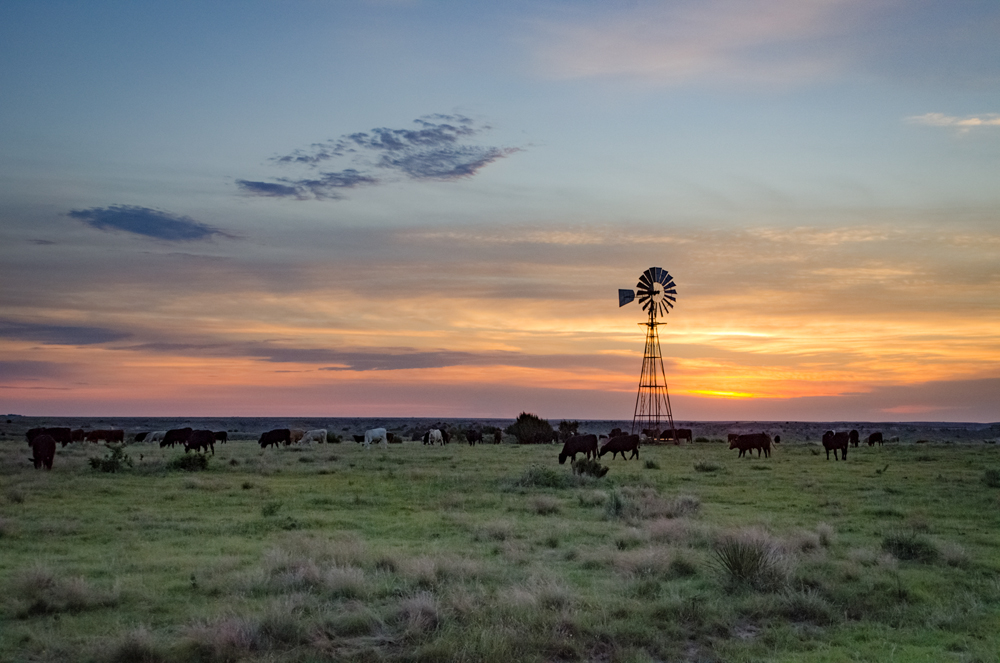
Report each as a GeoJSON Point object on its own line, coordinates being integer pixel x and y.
{"type": "Point", "coordinates": [497, 553]}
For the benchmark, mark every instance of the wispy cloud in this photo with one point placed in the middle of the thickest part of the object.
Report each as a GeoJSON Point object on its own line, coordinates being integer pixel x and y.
{"type": "Point", "coordinates": [146, 222]}
{"type": "Point", "coordinates": [962, 124]}
{"type": "Point", "coordinates": [50, 334]}
{"type": "Point", "coordinates": [773, 41]}
{"type": "Point", "coordinates": [434, 150]}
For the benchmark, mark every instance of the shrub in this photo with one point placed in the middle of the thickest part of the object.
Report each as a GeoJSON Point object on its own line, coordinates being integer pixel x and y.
{"type": "Point", "coordinates": [189, 463]}
{"type": "Point", "coordinates": [15, 496]}
{"type": "Point", "coordinates": [531, 429]}
{"type": "Point", "coordinates": [116, 459]}
{"type": "Point", "coordinates": [652, 465]}
{"type": "Point", "coordinates": [270, 508]}
{"type": "Point", "coordinates": [39, 591]}
{"type": "Point", "coordinates": [992, 478]}
{"type": "Point", "coordinates": [568, 429]}
{"type": "Point", "coordinates": [749, 561]}
{"type": "Point", "coordinates": [135, 647]}
{"type": "Point", "coordinates": [544, 505]}
{"type": "Point", "coordinates": [589, 467]}
{"type": "Point", "coordinates": [909, 546]}
{"type": "Point", "coordinates": [706, 466]}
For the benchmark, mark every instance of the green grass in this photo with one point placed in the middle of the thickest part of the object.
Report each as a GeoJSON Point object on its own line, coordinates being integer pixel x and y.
{"type": "Point", "coordinates": [497, 553]}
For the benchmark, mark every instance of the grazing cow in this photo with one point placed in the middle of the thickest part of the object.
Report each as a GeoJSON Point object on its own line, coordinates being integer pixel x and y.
{"type": "Point", "coordinates": [777, 439]}
{"type": "Point", "coordinates": [473, 436]}
{"type": "Point", "coordinates": [433, 436]}
{"type": "Point", "coordinates": [873, 438]}
{"type": "Point", "coordinates": [33, 433]}
{"type": "Point", "coordinates": [836, 441]}
{"type": "Point", "coordinates": [376, 435]}
{"type": "Point", "coordinates": [274, 437]}
{"type": "Point", "coordinates": [221, 436]}
{"type": "Point", "coordinates": [318, 435]}
{"type": "Point", "coordinates": [621, 444]}
{"type": "Point", "coordinates": [497, 437]}
{"type": "Point", "coordinates": [139, 437]}
{"type": "Point", "coordinates": [175, 436]}
{"type": "Point", "coordinates": [43, 450]}
{"type": "Point", "coordinates": [200, 440]}
{"type": "Point", "coordinates": [156, 436]}
{"type": "Point", "coordinates": [854, 438]}
{"type": "Point", "coordinates": [579, 444]}
{"type": "Point", "coordinates": [677, 434]}
{"type": "Point", "coordinates": [732, 438]}
{"type": "Point", "coordinates": [296, 435]}
{"type": "Point", "coordinates": [78, 435]}
{"type": "Point", "coordinates": [759, 441]}
{"type": "Point", "coordinates": [114, 435]}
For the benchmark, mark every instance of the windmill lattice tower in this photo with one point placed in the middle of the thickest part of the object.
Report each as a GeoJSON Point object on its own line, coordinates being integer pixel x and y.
{"type": "Point", "coordinates": [657, 293]}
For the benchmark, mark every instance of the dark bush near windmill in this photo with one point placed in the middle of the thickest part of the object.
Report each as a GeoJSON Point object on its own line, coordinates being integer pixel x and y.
{"type": "Point", "coordinates": [531, 429]}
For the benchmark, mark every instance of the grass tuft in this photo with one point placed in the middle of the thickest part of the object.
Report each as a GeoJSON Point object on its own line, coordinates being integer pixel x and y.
{"type": "Point", "coordinates": [136, 646]}
{"type": "Point", "coordinates": [419, 614]}
{"type": "Point", "coordinates": [189, 463]}
{"type": "Point", "coordinates": [537, 476]}
{"type": "Point", "coordinates": [39, 591]}
{"type": "Point", "coordinates": [14, 496]}
{"type": "Point", "coordinates": [992, 478]}
{"type": "Point", "coordinates": [544, 505]}
{"type": "Point", "coordinates": [706, 466]}
{"type": "Point", "coordinates": [751, 560]}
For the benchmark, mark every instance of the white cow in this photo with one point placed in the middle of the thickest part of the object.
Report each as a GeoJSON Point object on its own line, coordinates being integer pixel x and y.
{"type": "Point", "coordinates": [434, 437]}
{"type": "Point", "coordinates": [156, 436]}
{"type": "Point", "coordinates": [318, 435]}
{"type": "Point", "coordinates": [376, 435]}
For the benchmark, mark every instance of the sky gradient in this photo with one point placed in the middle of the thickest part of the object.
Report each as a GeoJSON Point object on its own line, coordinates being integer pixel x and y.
{"type": "Point", "coordinates": [396, 208]}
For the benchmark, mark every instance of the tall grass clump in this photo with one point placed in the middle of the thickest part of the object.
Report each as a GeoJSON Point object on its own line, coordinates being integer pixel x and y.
{"type": "Point", "coordinates": [706, 466]}
{"type": "Point", "coordinates": [992, 478]}
{"type": "Point", "coordinates": [749, 561]}
{"type": "Point", "coordinates": [909, 546]}
{"type": "Point", "coordinates": [39, 591]}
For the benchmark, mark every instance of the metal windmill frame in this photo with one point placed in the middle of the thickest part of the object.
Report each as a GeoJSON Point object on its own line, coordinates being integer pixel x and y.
{"type": "Point", "coordinates": [656, 293]}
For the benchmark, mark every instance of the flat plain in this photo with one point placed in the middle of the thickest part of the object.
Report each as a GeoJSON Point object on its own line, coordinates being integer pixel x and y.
{"type": "Point", "coordinates": [498, 553]}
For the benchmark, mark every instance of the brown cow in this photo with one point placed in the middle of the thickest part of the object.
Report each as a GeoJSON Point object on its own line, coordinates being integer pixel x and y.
{"type": "Point", "coordinates": [873, 438]}
{"type": "Point", "coordinates": [677, 434]}
{"type": "Point", "coordinates": [854, 438]}
{"type": "Point", "coordinates": [621, 444]}
{"type": "Point", "coordinates": [43, 450]}
{"type": "Point", "coordinates": [275, 436]}
{"type": "Point", "coordinates": [759, 441]}
{"type": "Point", "coordinates": [221, 436]}
{"type": "Point", "coordinates": [497, 437]}
{"type": "Point", "coordinates": [834, 441]}
{"type": "Point", "coordinates": [200, 440]}
{"type": "Point", "coordinates": [579, 444]}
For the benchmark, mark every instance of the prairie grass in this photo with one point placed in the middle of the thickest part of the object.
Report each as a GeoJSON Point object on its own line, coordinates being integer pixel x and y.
{"type": "Point", "coordinates": [497, 553]}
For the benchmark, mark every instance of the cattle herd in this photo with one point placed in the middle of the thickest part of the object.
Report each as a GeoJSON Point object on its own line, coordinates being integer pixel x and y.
{"type": "Point", "coordinates": [43, 441]}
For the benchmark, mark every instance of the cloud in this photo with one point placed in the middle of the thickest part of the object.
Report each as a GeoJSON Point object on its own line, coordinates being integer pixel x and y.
{"type": "Point", "coordinates": [962, 124]}
{"type": "Point", "coordinates": [771, 41]}
{"type": "Point", "coordinates": [59, 334]}
{"type": "Point", "coordinates": [31, 370]}
{"type": "Point", "coordinates": [432, 151]}
{"type": "Point", "coordinates": [147, 222]}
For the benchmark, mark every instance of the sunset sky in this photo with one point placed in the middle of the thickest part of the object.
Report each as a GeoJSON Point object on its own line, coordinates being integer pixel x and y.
{"type": "Point", "coordinates": [407, 208]}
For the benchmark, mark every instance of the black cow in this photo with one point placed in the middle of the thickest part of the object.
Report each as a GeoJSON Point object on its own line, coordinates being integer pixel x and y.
{"type": "Point", "coordinates": [358, 438]}
{"type": "Point", "coordinates": [63, 435]}
{"type": "Point", "coordinates": [579, 444]}
{"type": "Point", "coordinates": [221, 436]}
{"type": "Point", "coordinates": [873, 438]}
{"type": "Point", "coordinates": [834, 441]}
{"type": "Point", "coordinates": [497, 437]}
{"type": "Point", "coordinates": [854, 438]}
{"type": "Point", "coordinates": [277, 435]}
{"type": "Point", "coordinates": [200, 440]}
{"type": "Point", "coordinates": [621, 444]}
{"type": "Point", "coordinates": [473, 436]}
{"type": "Point", "coordinates": [139, 437]}
{"type": "Point", "coordinates": [175, 436]}
{"type": "Point", "coordinates": [677, 434]}
{"type": "Point", "coordinates": [43, 450]}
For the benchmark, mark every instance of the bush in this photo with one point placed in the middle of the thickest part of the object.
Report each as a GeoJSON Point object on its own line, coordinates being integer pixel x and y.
{"type": "Point", "coordinates": [116, 459]}
{"type": "Point", "coordinates": [706, 466]}
{"type": "Point", "coordinates": [568, 429]}
{"type": "Point", "coordinates": [652, 465]}
{"type": "Point", "coordinates": [537, 476]}
{"type": "Point", "coordinates": [531, 429]}
{"type": "Point", "coordinates": [992, 478]}
{"type": "Point", "coordinates": [191, 463]}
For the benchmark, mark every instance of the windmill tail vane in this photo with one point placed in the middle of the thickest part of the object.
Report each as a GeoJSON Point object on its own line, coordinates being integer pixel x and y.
{"type": "Point", "coordinates": [656, 292]}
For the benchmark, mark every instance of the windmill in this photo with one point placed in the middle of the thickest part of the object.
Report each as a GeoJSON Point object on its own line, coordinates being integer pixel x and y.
{"type": "Point", "coordinates": [657, 293]}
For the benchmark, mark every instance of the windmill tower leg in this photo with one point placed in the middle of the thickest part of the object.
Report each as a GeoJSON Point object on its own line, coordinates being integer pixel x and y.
{"type": "Point", "coordinates": [652, 402]}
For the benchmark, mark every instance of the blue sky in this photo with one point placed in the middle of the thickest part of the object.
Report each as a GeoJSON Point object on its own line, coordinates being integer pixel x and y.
{"type": "Point", "coordinates": [820, 177]}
